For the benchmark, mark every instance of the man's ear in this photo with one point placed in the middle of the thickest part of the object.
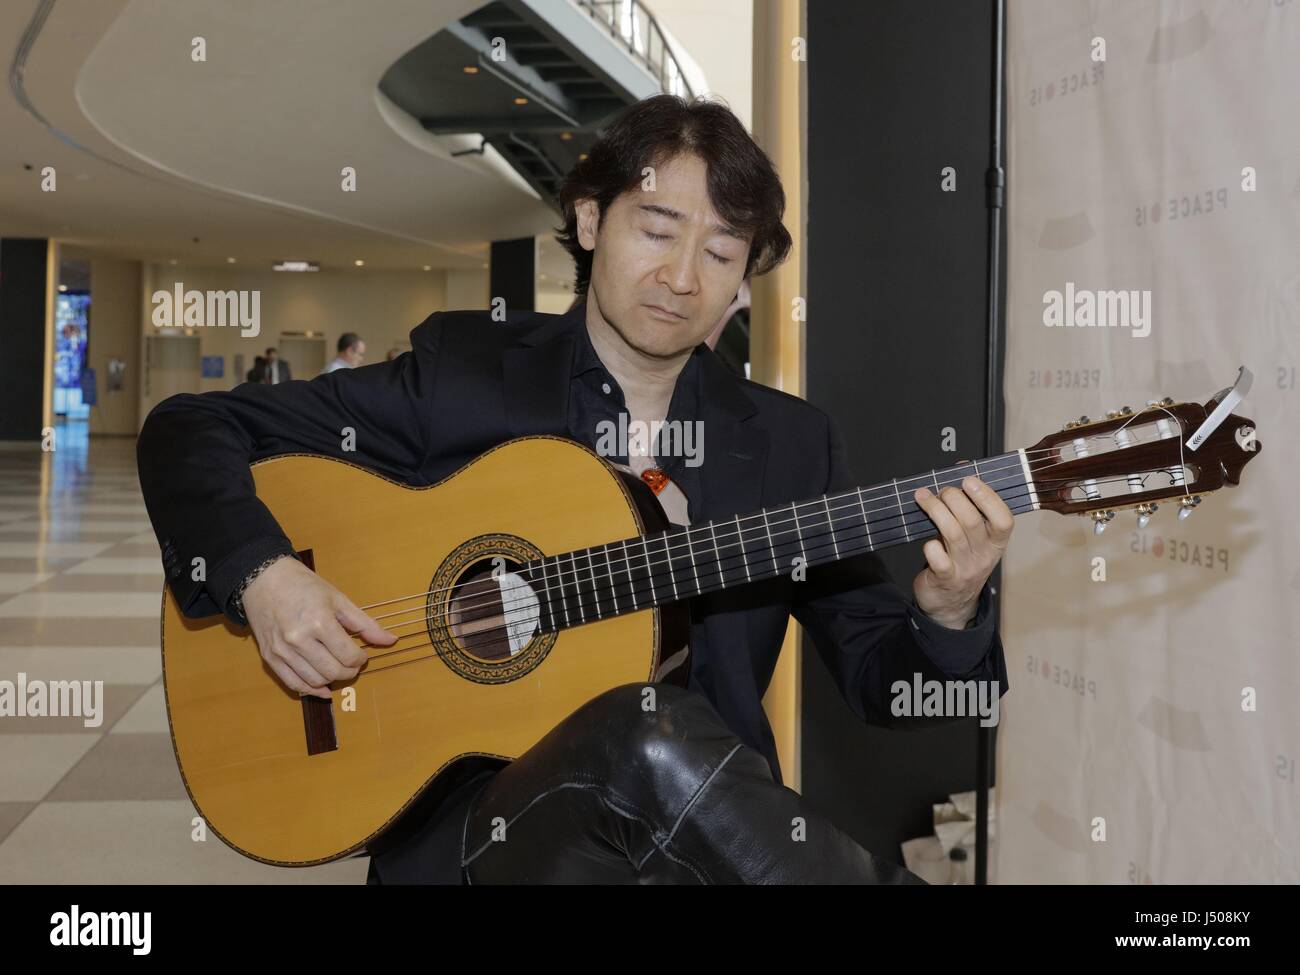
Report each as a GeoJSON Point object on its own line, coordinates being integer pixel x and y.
{"type": "Point", "coordinates": [588, 214]}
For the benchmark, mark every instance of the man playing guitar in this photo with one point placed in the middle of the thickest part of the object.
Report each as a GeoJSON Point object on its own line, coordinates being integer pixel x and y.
{"type": "Point", "coordinates": [670, 212]}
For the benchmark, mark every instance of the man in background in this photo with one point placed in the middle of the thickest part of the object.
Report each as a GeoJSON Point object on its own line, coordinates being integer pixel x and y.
{"type": "Point", "coordinates": [352, 352]}
{"type": "Point", "coordinates": [273, 369]}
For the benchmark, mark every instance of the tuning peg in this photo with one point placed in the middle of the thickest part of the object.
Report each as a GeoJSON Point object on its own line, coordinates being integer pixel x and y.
{"type": "Point", "coordinates": [1100, 519]}
{"type": "Point", "coordinates": [1186, 504]}
{"type": "Point", "coordinates": [1144, 512]}
{"type": "Point", "coordinates": [1167, 401]}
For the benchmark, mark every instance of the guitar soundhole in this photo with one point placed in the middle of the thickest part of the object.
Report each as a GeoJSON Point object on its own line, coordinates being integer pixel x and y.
{"type": "Point", "coordinates": [489, 609]}
{"type": "Point", "coordinates": [483, 613]}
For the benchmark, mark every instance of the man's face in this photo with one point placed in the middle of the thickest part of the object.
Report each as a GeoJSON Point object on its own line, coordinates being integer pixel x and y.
{"type": "Point", "coordinates": [665, 266]}
{"type": "Point", "coordinates": [270, 355]}
{"type": "Point", "coordinates": [357, 354]}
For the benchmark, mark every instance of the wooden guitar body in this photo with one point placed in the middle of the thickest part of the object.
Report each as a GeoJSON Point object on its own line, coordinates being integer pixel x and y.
{"type": "Point", "coordinates": [294, 781]}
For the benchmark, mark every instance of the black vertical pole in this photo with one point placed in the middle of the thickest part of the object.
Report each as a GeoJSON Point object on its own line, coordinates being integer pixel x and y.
{"type": "Point", "coordinates": [995, 182]}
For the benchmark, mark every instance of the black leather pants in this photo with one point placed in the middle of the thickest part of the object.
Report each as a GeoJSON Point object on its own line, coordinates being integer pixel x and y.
{"type": "Point", "coordinates": [621, 793]}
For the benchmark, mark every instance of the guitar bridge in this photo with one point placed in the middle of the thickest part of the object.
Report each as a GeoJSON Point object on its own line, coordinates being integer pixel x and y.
{"type": "Point", "coordinates": [317, 712]}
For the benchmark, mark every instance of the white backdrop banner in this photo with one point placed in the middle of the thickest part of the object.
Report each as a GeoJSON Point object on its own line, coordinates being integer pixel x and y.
{"type": "Point", "coordinates": [1152, 731]}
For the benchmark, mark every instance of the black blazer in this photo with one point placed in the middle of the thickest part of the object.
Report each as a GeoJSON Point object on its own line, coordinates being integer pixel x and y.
{"type": "Point", "coordinates": [468, 384]}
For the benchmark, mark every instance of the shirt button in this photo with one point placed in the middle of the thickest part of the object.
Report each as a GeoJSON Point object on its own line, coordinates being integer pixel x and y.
{"type": "Point", "coordinates": [604, 388]}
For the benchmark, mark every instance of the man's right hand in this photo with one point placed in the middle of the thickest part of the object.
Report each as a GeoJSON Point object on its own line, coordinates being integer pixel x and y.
{"type": "Point", "coordinates": [302, 626]}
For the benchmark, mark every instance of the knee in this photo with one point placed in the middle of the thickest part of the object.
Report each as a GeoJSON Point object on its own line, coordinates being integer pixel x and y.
{"type": "Point", "coordinates": [648, 712]}
{"type": "Point", "coordinates": [649, 728]}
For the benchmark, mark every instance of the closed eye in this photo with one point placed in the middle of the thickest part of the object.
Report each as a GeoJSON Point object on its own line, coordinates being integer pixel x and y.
{"type": "Point", "coordinates": [658, 237]}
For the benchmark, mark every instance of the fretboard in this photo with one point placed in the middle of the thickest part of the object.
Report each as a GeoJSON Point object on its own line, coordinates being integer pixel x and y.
{"type": "Point", "coordinates": [633, 574]}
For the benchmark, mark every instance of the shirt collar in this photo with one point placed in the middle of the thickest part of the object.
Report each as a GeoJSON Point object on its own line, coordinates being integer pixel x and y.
{"type": "Point", "coordinates": [585, 358]}
{"type": "Point", "coordinates": [584, 353]}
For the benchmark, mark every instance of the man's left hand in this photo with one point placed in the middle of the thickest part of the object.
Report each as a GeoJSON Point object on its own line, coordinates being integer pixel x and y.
{"type": "Point", "coordinates": [974, 528]}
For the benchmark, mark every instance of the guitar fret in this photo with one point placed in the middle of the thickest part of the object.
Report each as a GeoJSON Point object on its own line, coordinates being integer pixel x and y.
{"type": "Point", "coordinates": [866, 522]}
{"type": "Point", "coordinates": [721, 574]}
{"type": "Point", "coordinates": [609, 571]}
{"type": "Point", "coordinates": [559, 578]}
{"type": "Point", "coordinates": [707, 561]}
{"type": "Point", "coordinates": [645, 550]}
{"type": "Point", "coordinates": [902, 515]}
{"type": "Point", "coordinates": [740, 540]}
{"type": "Point", "coordinates": [627, 568]}
{"type": "Point", "coordinates": [573, 559]}
{"type": "Point", "coordinates": [672, 576]}
{"type": "Point", "coordinates": [695, 569]}
{"type": "Point", "coordinates": [595, 590]}
{"type": "Point", "coordinates": [830, 525]}
{"type": "Point", "coordinates": [798, 532]}
{"type": "Point", "coordinates": [544, 594]}
{"type": "Point", "coordinates": [776, 569]}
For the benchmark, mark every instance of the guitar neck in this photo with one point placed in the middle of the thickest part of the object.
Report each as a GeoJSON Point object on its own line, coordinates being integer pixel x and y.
{"type": "Point", "coordinates": [633, 574]}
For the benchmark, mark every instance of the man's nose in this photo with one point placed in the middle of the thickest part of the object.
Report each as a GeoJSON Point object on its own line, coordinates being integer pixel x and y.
{"type": "Point", "coordinates": [679, 272]}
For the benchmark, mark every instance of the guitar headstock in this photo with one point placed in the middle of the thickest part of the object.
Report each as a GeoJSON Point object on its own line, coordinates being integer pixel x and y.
{"type": "Point", "coordinates": [1139, 458]}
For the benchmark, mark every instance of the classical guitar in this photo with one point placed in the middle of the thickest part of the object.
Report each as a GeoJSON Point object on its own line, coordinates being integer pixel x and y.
{"type": "Point", "coordinates": [538, 576]}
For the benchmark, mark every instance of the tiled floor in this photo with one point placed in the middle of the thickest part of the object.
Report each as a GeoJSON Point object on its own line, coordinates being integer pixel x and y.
{"type": "Point", "coordinates": [80, 585]}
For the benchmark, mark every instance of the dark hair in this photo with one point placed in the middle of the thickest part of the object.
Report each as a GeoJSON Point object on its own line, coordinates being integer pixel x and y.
{"type": "Point", "coordinates": [743, 185]}
{"type": "Point", "coordinates": [270, 350]}
{"type": "Point", "coordinates": [347, 340]}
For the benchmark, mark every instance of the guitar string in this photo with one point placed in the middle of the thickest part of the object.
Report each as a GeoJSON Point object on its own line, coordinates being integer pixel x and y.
{"type": "Point", "coordinates": [575, 572]}
{"type": "Point", "coordinates": [563, 575]}
{"type": "Point", "coordinates": [500, 607]}
{"type": "Point", "coordinates": [578, 579]}
{"type": "Point", "coordinates": [577, 576]}
{"type": "Point", "coordinates": [830, 522]}
{"type": "Point", "coordinates": [634, 590]}
{"type": "Point", "coordinates": [436, 653]}
{"type": "Point", "coordinates": [1014, 466]}
{"type": "Point", "coordinates": [722, 570]}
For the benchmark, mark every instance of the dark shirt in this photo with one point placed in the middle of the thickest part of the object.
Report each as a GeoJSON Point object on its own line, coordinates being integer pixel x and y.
{"type": "Point", "coordinates": [595, 397]}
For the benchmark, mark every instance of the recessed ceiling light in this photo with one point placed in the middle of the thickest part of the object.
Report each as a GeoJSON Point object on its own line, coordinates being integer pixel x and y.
{"type": "Point", "coordinates": [566, 136]}
{"type": "Point", "coordinates": [172, 261]}
{"type": "Point", "coordinates": [295, 266]}
{"type": "Point", "coordinates": [520, 100]}
{"type": "Point", "coordinates": [63, 287]}
{"type": "Point", "coordinates": [581, 156]}
{"type": "Point", "coordinates": [428, 267]}
{"type": "Point", "coordinates": [470, 69]}
{"type": "Point", "coordinates": [359, 263]}
{"type": "Point", "coordinates": [230, 260]}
